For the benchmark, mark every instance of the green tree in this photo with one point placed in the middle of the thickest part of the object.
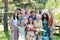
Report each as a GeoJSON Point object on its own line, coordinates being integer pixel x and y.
{"type": "Point", "coordinates": [5, 15]}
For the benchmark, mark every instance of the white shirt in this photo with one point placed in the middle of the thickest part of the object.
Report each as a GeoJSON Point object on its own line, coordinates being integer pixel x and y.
{"type": "Point", "coordinates": [14, 22]}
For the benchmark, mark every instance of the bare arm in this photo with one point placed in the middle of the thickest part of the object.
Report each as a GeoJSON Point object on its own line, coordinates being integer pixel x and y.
{"type": "Point", "coordinates": [18, 22]}
{"type": "Point", "coordinates": [10, 23]}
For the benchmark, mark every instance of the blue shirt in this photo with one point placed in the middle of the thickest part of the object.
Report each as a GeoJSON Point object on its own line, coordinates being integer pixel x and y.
{"type": "Point", "coordinates": [21, 19]}
{"type": "Point", "coordinates": [32, 17]}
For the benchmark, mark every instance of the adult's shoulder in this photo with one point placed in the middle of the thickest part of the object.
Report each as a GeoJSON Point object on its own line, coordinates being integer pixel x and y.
{"type": "Point", "coordinates": [30, 16]}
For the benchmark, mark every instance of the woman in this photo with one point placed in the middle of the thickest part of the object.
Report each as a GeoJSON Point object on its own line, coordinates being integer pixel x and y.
{"type": "Point", "coordinates": [45, 24]}
{"type": "Point", "coordinates": [26, 14]}
{"type": "Point", "coordinates": [31, 29]}
{"type": "Point", "coordinates": [38, 24]}
{"type": "Point", "coordinates": [14, 29]}
{"type": "Point", "coordinates": [33, 15]}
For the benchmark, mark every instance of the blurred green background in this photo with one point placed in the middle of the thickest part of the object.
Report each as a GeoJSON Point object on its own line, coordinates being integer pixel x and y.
{"type": "Point", "coordinates": [32, 4]}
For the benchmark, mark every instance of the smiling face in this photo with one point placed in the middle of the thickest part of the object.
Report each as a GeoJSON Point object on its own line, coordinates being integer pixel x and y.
{"type": "Point", "coordinates": [18, 11]}
{"type": "Point", "coordinates": [33, 13]}
{"type": "Point", "coordinates": [22, 14]}
{"type": "Point", "coordinates": [15, 14]}
{"type": "Point", "coordinates": [40, 11]}
{"type": "Point", "coordinates": [30, 21]}
{"type": "Point", "coordinates": [45, 15]}
{"type": "Point", "coordinates": [21, 23]}
{"type": "Point", "coordinates": [50, 10]}
{"type": "Point", "coordinates": [26, 11]}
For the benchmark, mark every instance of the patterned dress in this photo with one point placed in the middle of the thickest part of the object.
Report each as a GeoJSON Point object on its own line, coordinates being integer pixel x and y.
{"type": "Point", "coordinates": [30, 34]}
{"type": "Point", "coordinates": [45, 27]}
{"type": "Point", "coordinates": [21, 32]}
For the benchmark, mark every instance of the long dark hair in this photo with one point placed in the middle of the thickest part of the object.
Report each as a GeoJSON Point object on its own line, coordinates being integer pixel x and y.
{"type": "Point", "coordinates": [44, 17]}
{"type": "Point", "coordinates": [16, 17]}
{"type": "Point", "coordinates": [29, 21]}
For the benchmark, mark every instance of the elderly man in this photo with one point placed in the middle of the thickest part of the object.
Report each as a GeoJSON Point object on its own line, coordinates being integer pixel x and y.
{"type": "Point", "coordinates": [51, 24]}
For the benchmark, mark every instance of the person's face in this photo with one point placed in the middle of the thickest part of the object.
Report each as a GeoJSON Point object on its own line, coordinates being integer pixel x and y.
{"type": "Point", "coordinates": [22, 15]}
{"type": "Point", "coordinates": [50, 11]}
{"type": "Point", "coordinates": [26, 12]}
{"type": "Point", "coordinates": [33, 13]}
{"type": "Point", "coordinates": [22, 24]}
{"type": "Point", "coordinates": [45, 15]}
{"type": "Point", "coordinates": [18, 11]}
{"type": "Point", "coordinates": [40, 10]}
{"type": "Point", "coordinates": [30, 20]}
{"type": "Point", "coordinates": [19, 15]}
{"type": "Point", "coordinates": [15, 14]}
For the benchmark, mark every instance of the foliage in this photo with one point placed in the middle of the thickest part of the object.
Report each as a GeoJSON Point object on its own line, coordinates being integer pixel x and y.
{"type": "Point", "coordinates": [32, 4]}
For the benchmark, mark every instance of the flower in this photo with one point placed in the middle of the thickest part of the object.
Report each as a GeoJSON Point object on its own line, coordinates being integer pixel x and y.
{"type": "Point", "coordinates": [40, 32]}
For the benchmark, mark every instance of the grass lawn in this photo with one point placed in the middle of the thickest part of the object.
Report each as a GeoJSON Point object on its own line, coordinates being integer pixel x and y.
{"type": "Point", "coordinates": [6, 36]}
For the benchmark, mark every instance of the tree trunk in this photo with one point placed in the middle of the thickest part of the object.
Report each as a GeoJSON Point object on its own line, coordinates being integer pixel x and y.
{"type": "Point", "coordinates": [5, 15]}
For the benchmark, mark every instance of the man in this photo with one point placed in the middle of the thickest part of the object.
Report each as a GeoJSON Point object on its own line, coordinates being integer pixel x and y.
{"type": "Point", "coordinates": [40, 12]}
{"type": "Point", "coordinates": [51, 24]}
{"type": "Point", "coordinates": [18, 10]}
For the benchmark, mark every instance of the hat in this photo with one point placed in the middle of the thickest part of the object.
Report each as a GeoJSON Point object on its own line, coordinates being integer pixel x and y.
{"type": "Point", "coordinates": [32, 11]}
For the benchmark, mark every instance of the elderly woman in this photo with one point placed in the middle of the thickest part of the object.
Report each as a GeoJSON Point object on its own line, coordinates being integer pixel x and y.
{"type": "Point", "coordinates": [38, 24]}
{"type": "Point", "coordinates": [33, 15]}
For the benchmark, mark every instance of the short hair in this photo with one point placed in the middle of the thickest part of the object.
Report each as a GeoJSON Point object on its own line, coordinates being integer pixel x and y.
{"type": "Point", "coordinates": [19, 9]}
{"type": "Point", "coordinates": [50, 9]}
{"type": "Point", "coordinates": [40, 8]}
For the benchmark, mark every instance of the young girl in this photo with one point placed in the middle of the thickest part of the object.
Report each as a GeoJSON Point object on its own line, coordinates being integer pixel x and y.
{"type": "Point", "coordinates": [21, 17]}
{"type": "Point", "coordinates": [30, 33]}
{"type": "Point", "coordinates": [21, 28]}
